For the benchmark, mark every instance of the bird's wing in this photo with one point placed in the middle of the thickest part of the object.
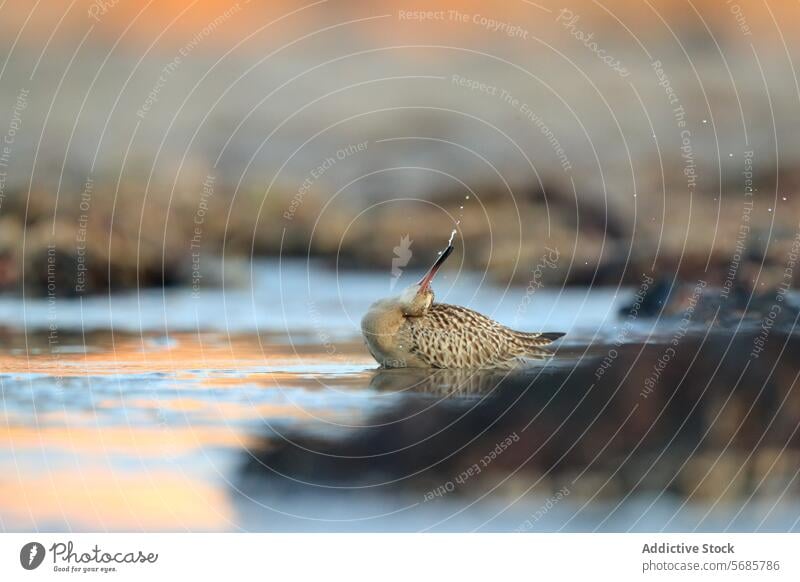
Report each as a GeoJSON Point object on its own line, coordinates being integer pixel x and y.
{"type": "Point", "coordinates": [449, 336]}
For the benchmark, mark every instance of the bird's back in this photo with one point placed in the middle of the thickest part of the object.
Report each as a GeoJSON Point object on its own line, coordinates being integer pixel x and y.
{"type": "Point", "coordinates": [450, 336]}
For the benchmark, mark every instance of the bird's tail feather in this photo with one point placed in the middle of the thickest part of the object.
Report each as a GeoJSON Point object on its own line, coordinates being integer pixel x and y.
{"type": "Point", "coordinates": [535, 341]}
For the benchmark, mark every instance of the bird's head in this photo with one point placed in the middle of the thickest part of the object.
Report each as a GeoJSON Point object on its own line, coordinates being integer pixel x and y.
{"type": "Point", "coordinates": [416, 299]}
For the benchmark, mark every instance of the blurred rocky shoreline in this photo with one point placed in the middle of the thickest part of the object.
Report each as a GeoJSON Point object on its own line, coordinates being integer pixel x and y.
{"type": "Point", "coordinates": [96, 240]}
{"type": "Point", "coordinates": [554, 167]}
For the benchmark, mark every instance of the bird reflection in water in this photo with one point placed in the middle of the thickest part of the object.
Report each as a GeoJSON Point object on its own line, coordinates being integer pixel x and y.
{"type": "Point", "coordinates": [449, 383]}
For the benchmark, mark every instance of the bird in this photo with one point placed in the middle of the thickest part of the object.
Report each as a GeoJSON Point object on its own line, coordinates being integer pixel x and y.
{"type": "Point", "coordinates": [411, 330]}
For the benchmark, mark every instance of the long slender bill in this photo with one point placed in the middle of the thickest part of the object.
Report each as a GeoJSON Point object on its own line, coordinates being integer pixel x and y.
{"type": "Point", "coordinates": [426, 280]}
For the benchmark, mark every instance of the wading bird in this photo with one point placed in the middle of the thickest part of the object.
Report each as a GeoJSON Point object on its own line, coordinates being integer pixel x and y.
{"type": "Point", "coordinates": [411, 331]}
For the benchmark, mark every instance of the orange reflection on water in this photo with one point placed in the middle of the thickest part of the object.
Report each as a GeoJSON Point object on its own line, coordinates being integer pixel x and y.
{"type": "Point", "coordinates": [153, 443]}
{"type": "Point", "coordinates": [106, 454]}
{"type": "Point", "coordinates": [185, 353]}
{"type": "Point", "coordinates": [121, 459]}
{"type": "Point", "coordinates": [94, 499]}
{"type": "Point", "coordinates": [89, 493]}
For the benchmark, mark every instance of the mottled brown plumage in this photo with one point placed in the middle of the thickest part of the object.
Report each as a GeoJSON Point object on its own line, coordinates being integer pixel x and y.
{"type": "Point", "coordinates": [411, 331]}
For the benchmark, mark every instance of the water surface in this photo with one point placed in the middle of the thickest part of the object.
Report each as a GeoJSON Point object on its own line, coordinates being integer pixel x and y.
{"type": "Point", "coordinates": [256, 407]}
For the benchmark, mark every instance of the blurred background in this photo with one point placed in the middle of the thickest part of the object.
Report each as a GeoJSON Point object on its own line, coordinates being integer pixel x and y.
{"type": "Point", "coordinates": [199, 199]}
{"type": "Point", "coordinates": [624, 136]}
